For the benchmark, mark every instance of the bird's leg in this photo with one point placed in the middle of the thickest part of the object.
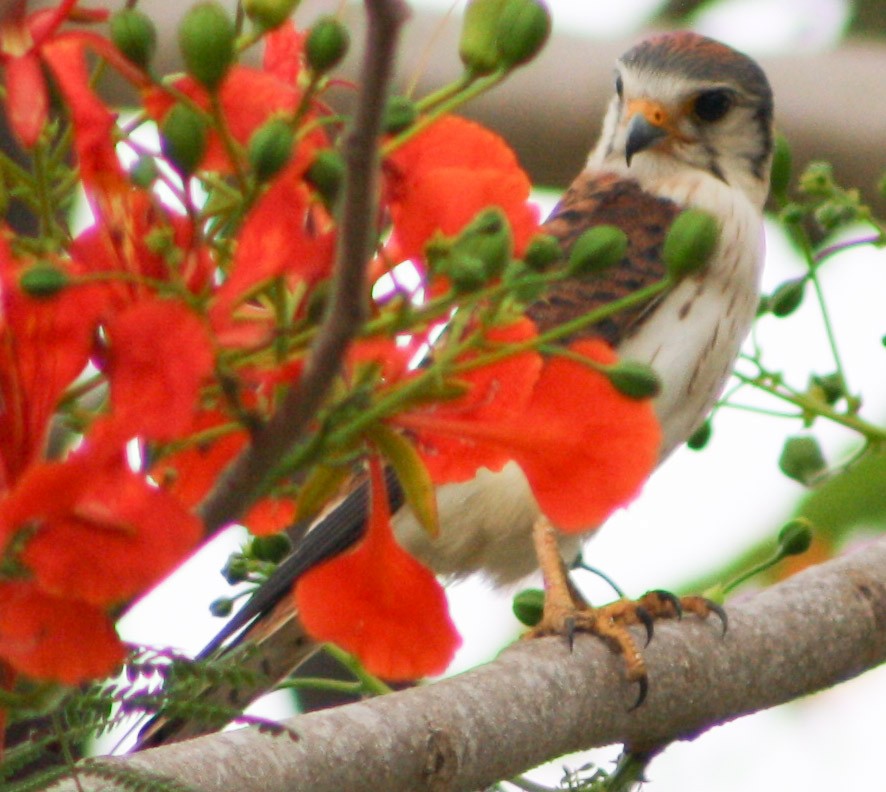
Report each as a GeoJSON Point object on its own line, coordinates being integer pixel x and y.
{"type": "Point", "coordinates": [566, 612]}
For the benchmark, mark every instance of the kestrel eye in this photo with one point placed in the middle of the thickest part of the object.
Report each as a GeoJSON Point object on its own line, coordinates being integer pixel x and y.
{"type": "Point", "coordinates": [619, 85]}
{"type": "Point", "coordinates": [711, 106]}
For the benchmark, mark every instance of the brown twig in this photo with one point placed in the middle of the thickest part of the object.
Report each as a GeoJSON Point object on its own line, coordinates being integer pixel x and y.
{"type": "Point", "coordinates": [539, 701]}
{"type": "Point", "coordinates": [242, 482]}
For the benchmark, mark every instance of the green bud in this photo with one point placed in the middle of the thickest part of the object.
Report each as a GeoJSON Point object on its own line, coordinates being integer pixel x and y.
{"type": "Point", "coordinates": [597, 249]}
{"type": "Point", "coordinates": [206, 40]}
{"type": "Point", "coordinates": [634, 380]}
{"type": "Point", "coordinates": [327, 43]}
{"type": "Point", "coordinates": [833, 214]}
{"type": "Point", "coordinates": [134, 34]}
{"type": "Point", "coordinates": [795, 537]}
{"type": "Point", "coordinates": [543, 251]}
{"type": "Point", "coordinates": [400, 114]}
{"type": "Point", "coordinates": [831, 387]}
{"type": "Point", "coordinates": [487, 238]}
{"type": "Point", "coordinates": [269, 14]}
{"type": "Point", "coordinates": [522, 30]}
{"type": "Point", "coordinates": [183, 138]}
{"type": "Point", "coordinates": [801, 459]}
{"type": "Point", "coordinates": [270, 148]}
{"type": "Point", "coordinates": [43, 280]}
{"type": "Point", "coordinates": [326, 175]}
{"type": "Point", "coordinates": [528, 606]}
{"type": "Point", "coordinates": [780, 173]}
{"type": "Point", "coordinates": [525, 284]}
{"type": "Point", "coordinates": [787, 297]}
{"type": "Point", "coordinates": [144, 173]}
{"type": "Point", "coordinates": [272, 548]}
{"type": "Point", "coordinates": [466, 273]}
{"type": "Point", "coordinates": [700, 437]}
{"type": "Point", "coordinates": [818, 179]}
{"type": "Point", "coordinates": [236, 569]}
{"type": "Point", "coordinates": [792, 214]}
{"type": "Point", "coordinates": [221, 607]}
{"type": "Point", "coordinates": [477, 46]}
{"type": "Point", "coordinates": [690, 242]}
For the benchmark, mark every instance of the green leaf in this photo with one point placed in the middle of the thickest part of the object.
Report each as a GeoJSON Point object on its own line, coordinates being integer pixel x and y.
{"type": "Point", "coordinates": [418, 488]}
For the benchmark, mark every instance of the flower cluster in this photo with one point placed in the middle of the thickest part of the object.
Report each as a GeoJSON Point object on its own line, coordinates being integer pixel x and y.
{"type": "Point", "coordinates": [141, 355]}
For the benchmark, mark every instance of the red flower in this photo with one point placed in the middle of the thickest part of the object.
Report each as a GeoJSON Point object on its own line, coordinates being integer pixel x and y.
{"type": "Point", "coordinates": [440, 179]}
{"type": "Point", "coordinates": [378, 602]}
{"type": "Point", "coordinates": [47, 637]}
{"type": "Point", "coordinates": [95, 531]}
{"type": "Point", "coordinates": [144, 240]}
{"type": "Point", "coordinates": [44, 345]}
{"type": "Point", "coordinates": [585, 448]}
{"type": "Point", "coordinates": [23, 38]}
{"type": "Point", "coordinates": [160, 354]}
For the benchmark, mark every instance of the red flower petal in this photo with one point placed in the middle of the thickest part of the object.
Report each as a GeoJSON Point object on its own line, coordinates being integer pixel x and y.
{"type": "Point", "coordinates": [27, 105]}
{"type": "Point", "coordinates": [379, 603]}
{"type": "Point", "coordinates": [160, 353]}
{"type": "Point", "coordinates": [44, 345]}
{"type": "Point", "coordinates": [103, 534]}
{"type": "Point", "coordinates": [585, 448]}
{"type": "Point", "coordinates": [45, 637]}
{"type": "Point", "coordinates": [441, 179]}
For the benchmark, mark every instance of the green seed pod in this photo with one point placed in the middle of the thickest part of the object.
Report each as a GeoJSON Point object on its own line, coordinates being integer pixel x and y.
{"type": "Point", "coordinates": [522, 30]}
{"type": "Point", "coordinates": [634, 380]}
{"type": "Point", "coordinates": [270, 148]}
{"type": "Point", "coordinates": [326, 175]}
{"type": "Point", "coordinates": [543, 251]}
{"type": "Point", "coordinates": [690, 242]}
{"type": "Point", "coordinates": [795, 537]}
{"type": "Point", "coordinates": [801, 459]}
{"type": "Point", "coordinates": [787, 297]}
{"type": "Point", "coordinates": [43, 280]}
{"type": "Point", "coordinates": [272, 548]}
{"type": "Point", "coordinates": [700, 437]}
{"type": "Point", "coordinates": [269, 14]}
{"type": "Point", "coordinates": [528, 606]}
{"type": "Point", "coordinates": [183, 138]}
{"type": "Point", "coordinates": [831, 387]}
{"type": "Point", "coordinates": [780, 173]}
{"type": "Point", "coordinates": [134, 34]}
{"type": "Point", "coordinates": [488, 238]}
{"type": "Point", "coordinates": [206, 40]}
{"type": "Point", "coordinates": [477, 47]}
{"type": "Point", "coordinates": [597, 249]}
{"type": "Point", "coordinates": [400, 114]}
{"type": "Point", "coordinates": [327, 43]}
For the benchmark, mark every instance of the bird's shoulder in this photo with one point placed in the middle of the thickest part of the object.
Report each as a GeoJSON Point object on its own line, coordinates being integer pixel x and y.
{"type": "Point", "coordinates": [606, 199]}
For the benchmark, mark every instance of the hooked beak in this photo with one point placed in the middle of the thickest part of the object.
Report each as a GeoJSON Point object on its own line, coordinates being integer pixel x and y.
{"type": "Point", "coordinates": [647, 126]}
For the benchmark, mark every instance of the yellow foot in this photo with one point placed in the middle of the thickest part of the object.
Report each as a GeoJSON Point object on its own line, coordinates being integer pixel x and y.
{"type": "Point", "coordinates": [610, 622]}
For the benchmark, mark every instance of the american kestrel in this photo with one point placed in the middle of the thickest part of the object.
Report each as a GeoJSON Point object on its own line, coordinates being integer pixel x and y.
{"type": "Point", "coordinates": [689, 125]}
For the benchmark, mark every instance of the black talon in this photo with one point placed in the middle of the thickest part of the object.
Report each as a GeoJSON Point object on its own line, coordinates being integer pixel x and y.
{"type": "Point", "coordinates": [672, 600]}
{"type": "Point", "coordinates": [721, 613]}
{"type": "Point", "coordinates": [648, 622]}
{"type": "Point", "coordinates": [569, 624]}
{"type": "Point", "coordinates": [643, 685]}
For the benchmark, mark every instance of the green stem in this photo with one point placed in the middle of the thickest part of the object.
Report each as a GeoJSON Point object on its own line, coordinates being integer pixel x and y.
{"type": "Point", "coordinates": [874, 434]}
{"type": "Point", "coordinates": [43, 191]}
{"type": "Point", "coordinates": [319, 683]}
{"type": "Point", "coordinates": [370, 684]}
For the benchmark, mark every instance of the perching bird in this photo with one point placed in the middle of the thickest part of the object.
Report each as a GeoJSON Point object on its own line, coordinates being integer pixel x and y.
{"type": "Point", "coordinates": [690, 125]}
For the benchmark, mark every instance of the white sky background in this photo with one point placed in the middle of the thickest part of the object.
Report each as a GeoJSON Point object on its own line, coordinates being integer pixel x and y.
{"type": "Point", "coordinates": [700, 508]}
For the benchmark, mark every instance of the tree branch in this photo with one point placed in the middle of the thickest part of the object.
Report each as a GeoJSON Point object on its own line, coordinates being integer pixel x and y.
{"type": "Point", "coordinates": [242, 482]}
{"type": "Point", "coordinates": [538, 701]}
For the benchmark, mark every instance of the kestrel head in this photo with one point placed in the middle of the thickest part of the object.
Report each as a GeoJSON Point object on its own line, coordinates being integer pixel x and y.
{"type": "Point", "coordinates": [683, 101]}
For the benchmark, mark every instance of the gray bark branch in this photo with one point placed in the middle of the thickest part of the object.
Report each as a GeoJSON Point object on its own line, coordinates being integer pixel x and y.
{"type": "Point", "coordinates": [538, 701]}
